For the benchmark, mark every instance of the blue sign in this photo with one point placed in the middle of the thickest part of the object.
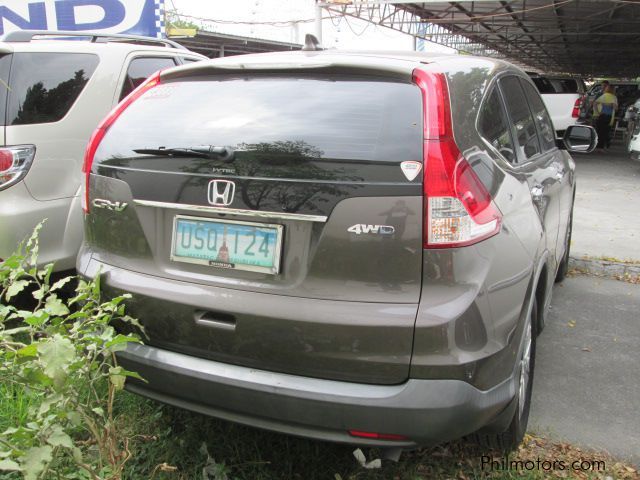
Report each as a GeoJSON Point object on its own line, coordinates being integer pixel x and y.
{"type": "Point", "coordinates": [136, 17]}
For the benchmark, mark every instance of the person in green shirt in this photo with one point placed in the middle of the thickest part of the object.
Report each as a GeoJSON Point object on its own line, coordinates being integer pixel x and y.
{"type": "Point", "coordinates": [604, 109]}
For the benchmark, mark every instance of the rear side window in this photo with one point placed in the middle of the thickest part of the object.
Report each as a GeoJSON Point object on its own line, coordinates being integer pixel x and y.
{"type": "Point", "coordinates": [44, 86]}
{"type": "Point", "coordinates": [494, 126]}
{"type": "Point", "coordinates": [142, 68]}
{"type": "Point", "coordinates": [5, 65]}
{"type": "Point", "coordinates": [544, 85]}
{"type": "Point", "coordinates": [565, 85]}
{"type": "Point", "coordinates": [541, 117]}
{"type": "Point", "coordinates": [333, 117]}
{"type": "Point", "coordinates": [518, 108]}
{"type": "Point", "coordinates": [556, 85]}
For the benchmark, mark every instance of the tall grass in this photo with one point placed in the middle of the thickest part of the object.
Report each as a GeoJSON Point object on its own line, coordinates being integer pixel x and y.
{"type": "Point", "coordinates": [15, 402]}
{"type": "Point", "coordinates": [174, 444]}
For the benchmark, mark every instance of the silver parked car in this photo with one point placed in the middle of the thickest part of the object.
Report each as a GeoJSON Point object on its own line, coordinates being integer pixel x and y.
{"type": "Point", "coordinates": [351, 247]}
{"type": "Point", "coordinates": [56, 86]}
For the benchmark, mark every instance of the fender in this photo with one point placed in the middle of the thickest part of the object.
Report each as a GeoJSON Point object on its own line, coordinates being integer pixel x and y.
{"type": "Point", "coordinates": [542, 309]}
{"type": "Point", "coordinates": [502, 420]}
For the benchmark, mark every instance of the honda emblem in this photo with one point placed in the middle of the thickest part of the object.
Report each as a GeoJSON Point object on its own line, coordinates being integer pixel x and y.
{"type": "Point", "coordinates": [221, 192]}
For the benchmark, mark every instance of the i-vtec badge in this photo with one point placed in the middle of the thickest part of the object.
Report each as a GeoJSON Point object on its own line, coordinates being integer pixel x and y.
{"type": "Point", "coordinates": [109, 205]}
{"type": "Point", "coordinates": [360, 228]}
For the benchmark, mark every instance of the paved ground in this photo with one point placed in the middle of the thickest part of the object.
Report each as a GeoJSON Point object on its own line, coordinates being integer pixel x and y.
{"type": "Point", "coordinates": [587, 379]}
{"type": "Point", "coordinates": [606, 222]}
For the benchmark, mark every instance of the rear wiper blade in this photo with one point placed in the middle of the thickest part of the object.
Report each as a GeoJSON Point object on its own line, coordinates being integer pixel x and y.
{"type": "Point", "coordinates": [203, 151]}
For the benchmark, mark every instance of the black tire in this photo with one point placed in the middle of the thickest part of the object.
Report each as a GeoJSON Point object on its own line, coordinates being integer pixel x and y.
{"type": "Point", "coordinates": [512, 437]}
{"type": "Point", "coordinates": [563, 268]}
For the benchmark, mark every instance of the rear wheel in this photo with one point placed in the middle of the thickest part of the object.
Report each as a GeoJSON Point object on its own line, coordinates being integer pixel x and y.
{"type": "Point", "coordinates": [512, 437]}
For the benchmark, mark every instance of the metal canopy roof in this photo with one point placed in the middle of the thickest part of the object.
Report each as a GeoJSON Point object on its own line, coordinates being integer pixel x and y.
{"type": "Point", "coordinates": [212, 44]}
{"type": "Point", "coordinates": [585, 37]}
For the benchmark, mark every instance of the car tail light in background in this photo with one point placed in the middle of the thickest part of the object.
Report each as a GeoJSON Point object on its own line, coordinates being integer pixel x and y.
{"type": "Point", "coordinates": [575, 113]}
{"type": "Point", "coordinates": [458, 208]}
{"type": "Point", "coordinates": [15, 162]}
{"type": "Point", "coordinates": [103, 128]}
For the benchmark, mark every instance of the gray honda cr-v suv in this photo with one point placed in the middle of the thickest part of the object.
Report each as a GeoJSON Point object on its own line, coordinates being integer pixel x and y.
{"type": "Point", "coordinates": [345, 246]}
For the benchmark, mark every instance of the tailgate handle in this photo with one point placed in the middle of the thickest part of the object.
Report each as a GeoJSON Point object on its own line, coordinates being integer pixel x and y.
{"type": "Point", "coordinates": [222, 321]}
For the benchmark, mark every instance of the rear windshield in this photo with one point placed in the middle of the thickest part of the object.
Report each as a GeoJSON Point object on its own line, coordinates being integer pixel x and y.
{"type": "Point", "coordinates": [328, 117]}
{"type": "Point", "coordinates": [44, 86]}
{"type": "Point", "coordinates": [556, 85]}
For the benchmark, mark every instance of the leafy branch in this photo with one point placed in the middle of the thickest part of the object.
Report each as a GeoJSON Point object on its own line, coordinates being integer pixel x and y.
{"type": "Point", "coordinates": [62, 352]}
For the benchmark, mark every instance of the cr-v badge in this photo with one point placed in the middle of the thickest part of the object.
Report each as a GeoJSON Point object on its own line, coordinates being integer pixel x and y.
{"type": "Point", "coordinates": [109, 205]}
{"type": "Point", "coordinates": [411, 169]}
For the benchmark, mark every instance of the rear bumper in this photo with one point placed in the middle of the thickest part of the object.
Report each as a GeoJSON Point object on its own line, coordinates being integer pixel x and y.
{"type": "Point", "coordinates": [431, 407]}
{"type": "Point", "coordinates": [425, 411]}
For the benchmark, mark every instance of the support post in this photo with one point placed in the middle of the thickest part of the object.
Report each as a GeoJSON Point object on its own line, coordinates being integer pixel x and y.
{"type": "Point", "coordinates": [318, 22]}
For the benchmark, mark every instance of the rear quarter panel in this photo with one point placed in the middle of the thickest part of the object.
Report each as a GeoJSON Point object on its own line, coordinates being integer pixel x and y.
{"type": "Point", "coordinates": [474, 298]}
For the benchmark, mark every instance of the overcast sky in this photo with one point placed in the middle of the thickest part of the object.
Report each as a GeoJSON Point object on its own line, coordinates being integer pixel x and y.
{"type": "Point", "coordinates": [337, 32]}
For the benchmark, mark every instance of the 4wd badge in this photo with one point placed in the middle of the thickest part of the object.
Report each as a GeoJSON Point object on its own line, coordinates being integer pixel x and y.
{"type": "Point", "coordinates": [411, 169]}
{"type": "Point", "coordinates": [360, 228]}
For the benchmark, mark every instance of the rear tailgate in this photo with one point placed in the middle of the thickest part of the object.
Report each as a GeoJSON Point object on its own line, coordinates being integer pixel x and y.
{"type": "Point", "coordinates": [313, 204]}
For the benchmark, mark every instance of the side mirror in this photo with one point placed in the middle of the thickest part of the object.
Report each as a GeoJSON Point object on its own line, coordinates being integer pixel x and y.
{"type": "Point", "coordinates": [580, 139]}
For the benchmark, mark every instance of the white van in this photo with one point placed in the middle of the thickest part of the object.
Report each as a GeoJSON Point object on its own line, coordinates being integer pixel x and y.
{"type": "Point", "coordinates": [563, 97]}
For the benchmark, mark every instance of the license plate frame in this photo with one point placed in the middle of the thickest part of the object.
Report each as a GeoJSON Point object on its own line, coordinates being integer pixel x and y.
{"type": "Point", "coordinates": [273, 270]}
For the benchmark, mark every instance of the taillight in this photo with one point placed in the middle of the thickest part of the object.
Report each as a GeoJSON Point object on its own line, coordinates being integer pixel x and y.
{"type": "Point", "coordinates": [575, 113]}
{"type": "Point", "coordinates": [15, 162]}
{"type": "Point", "coordinates": [458, 208]}
{"type": "Point", "coordinates": [103, 128]}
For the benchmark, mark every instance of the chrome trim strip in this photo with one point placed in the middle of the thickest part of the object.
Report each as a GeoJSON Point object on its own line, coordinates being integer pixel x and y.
{"type": "Point", "coordinates": [232, 211]}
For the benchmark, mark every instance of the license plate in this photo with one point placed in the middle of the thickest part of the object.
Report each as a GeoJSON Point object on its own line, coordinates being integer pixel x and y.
{"type": "Point", "coordinates": [227, 244]}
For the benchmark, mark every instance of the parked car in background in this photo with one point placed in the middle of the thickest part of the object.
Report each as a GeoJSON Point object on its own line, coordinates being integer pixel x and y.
{"type": "Point", "coordinates": [55, 91]}
{"type": "Point", "coordinates": [626, 92]}
{"type": "Point", "coordinates": [632, 116]}
{"type": "Point", "coordinates": [352, 247]}
{"type": "Point", "coordinates": [563, 97]}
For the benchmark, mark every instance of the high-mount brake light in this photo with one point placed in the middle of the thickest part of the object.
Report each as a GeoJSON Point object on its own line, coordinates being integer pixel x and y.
{"type": "Point", "coordinates": [103, 128]}
{"type": "Point", "coordinates": [458, 208]}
